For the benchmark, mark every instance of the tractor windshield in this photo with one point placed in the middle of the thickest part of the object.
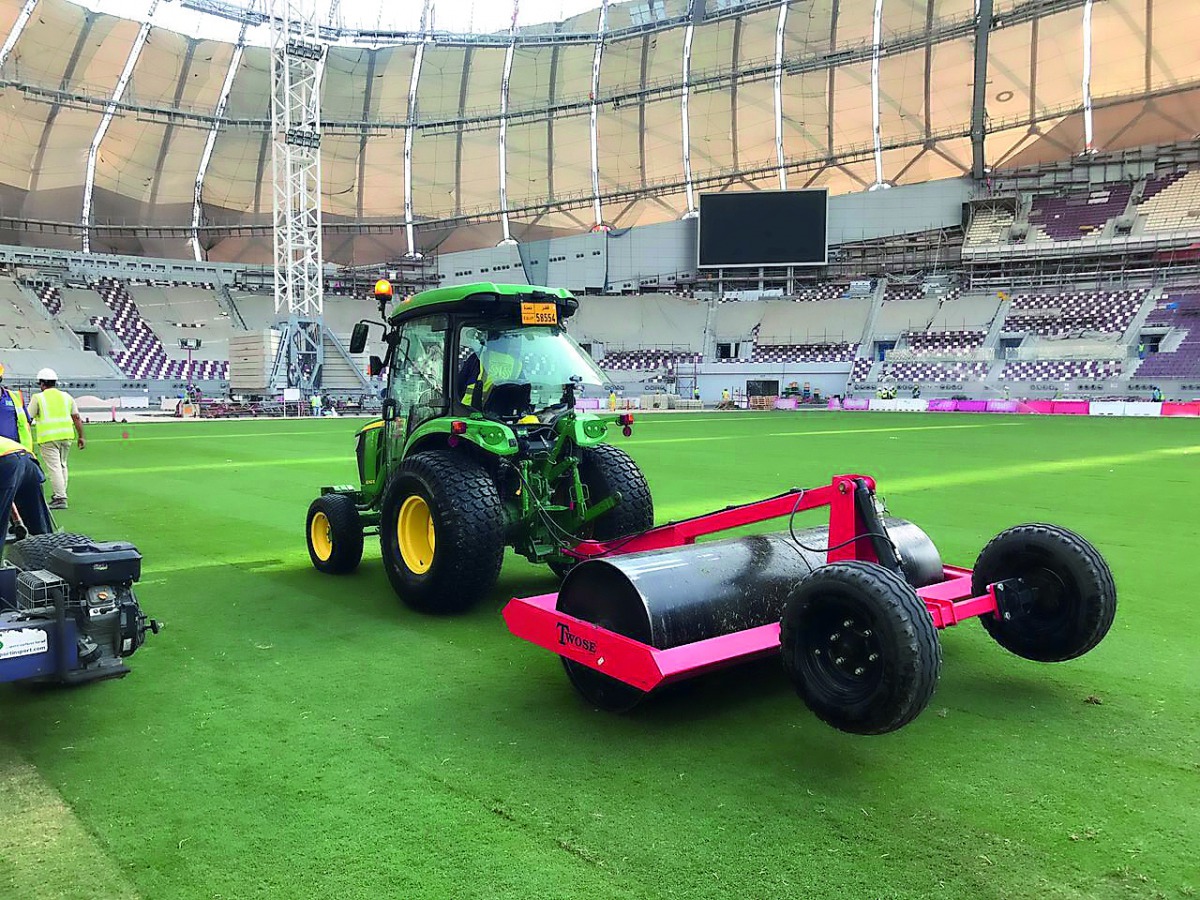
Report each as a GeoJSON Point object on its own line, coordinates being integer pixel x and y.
{"type": "Point", "coordinates": [521, 370]}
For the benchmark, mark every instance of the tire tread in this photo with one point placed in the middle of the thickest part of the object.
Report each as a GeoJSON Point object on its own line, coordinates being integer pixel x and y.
{"type": "Point", "coordinates": [919, 650]}
{"type": "Point", "coordinates": [1100, 615]}
{"type": "Point", "coordinates": [470, 531]}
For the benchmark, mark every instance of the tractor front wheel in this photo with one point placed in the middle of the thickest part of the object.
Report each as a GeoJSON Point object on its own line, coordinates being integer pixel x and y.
{"type": "Point", "coordinates": [860, 647]}
{"type": "Point", "coordinates": [1073, 599]}
{"type": "Point", "coordinates": [335, 534]}
{"type": "Point", "coordinates": [441, 532]}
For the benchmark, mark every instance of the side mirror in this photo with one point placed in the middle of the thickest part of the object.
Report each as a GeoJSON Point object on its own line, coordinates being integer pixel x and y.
{"type": "Point", "coordinates": [388, 412]}
{"type": "Point", "coordinates": [358, 337]}
{"type": "Point", "coordinates": [374, 366]}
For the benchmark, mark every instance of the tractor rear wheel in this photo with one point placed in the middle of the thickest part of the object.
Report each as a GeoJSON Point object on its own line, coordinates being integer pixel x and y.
{"type": "Point", "coordinates": [442, 532]}
{"type": "Point", "coordinates": [33, 552]}
{"type": "Point", "coordinates": [860, 647]}
{"type": "Point", "coordinates": [1074, 597]}
{"type": "Point", "coordinates": [606, 470]}
{"type": "Point", "coordinates": [335, 534]}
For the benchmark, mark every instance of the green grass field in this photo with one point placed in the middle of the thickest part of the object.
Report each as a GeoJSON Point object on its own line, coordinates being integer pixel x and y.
{"type": "Point", "coordinates": [294, 735]}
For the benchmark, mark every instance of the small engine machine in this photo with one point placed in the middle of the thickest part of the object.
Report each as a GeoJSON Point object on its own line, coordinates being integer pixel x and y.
{"type": "Point", "coordinates": [68, 614]}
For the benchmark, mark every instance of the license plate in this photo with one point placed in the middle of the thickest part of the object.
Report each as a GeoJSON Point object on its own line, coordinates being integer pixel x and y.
{"type": "Point", "coordinates": [539, 314]}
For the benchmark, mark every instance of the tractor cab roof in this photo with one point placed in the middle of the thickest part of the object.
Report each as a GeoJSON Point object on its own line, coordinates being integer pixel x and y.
{"type": "Point", "coordinates": [484, 297]}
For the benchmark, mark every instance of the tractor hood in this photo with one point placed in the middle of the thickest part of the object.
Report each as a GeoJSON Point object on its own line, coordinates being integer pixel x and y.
{"type": "Point", "coordinates": [485, 296]}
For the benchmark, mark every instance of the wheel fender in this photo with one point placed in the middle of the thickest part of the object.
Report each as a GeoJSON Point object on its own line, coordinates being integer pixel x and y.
{"type": "Point", "coordinates": [492, 437]}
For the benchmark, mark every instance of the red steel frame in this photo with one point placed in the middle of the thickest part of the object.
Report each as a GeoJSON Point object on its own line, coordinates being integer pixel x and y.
{"type": "Point", "coordinates": [536, 620]}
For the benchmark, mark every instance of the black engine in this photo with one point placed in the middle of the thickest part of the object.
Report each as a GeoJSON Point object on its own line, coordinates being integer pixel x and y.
{"type": "Point", "coordinates": [68, 613]}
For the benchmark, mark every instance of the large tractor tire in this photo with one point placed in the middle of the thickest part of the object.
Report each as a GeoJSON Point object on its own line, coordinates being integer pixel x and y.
{"type": "Point", "coordinates": [34, 551]}
{"type": "Point", "coordinates": [860, 647]}
{"type": "Point", "coordinates": [1074, 598]}
{"type": "Point", "coordinates": [335, 534]}
{"type": "Point", "coordinates": [606, 470]}
{"type": "Point", "coordinates": [441, 532]}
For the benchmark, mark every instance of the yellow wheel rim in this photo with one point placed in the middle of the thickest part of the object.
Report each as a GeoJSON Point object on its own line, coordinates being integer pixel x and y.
{"type": "Point", "coordinates": [415, 534]}
{"type": "Point", "coordinates": [320, 535]}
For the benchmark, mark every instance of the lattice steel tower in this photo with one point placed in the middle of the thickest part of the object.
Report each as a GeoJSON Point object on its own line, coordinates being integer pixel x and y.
{"type": "Point", "coordinates": [297, 63]}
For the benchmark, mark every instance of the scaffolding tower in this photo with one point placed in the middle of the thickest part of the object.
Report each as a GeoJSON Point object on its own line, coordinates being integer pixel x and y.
{"type": "Point", "coordinates": [297, 64]}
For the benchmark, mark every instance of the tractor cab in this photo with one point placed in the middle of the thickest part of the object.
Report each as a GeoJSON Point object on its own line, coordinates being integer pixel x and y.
{"type": "Point", "coordinates": [520, 372]}
{"type": "Point", "coordinates": [497, 352]}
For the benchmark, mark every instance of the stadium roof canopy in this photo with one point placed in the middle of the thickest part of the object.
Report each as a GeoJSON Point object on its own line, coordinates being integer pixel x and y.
{"type": "Point", "coordinates": [155, 129]}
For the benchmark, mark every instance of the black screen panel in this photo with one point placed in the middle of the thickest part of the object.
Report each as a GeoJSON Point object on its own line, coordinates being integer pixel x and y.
{"type": "Point", "coordinates": [763, 228]}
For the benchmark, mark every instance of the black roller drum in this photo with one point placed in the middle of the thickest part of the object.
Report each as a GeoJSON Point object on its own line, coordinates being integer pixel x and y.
{"type": "Point", "coordinates": [666, 598]}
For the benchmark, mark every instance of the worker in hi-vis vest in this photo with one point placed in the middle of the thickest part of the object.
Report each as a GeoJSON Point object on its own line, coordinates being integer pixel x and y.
{"type": "Point", "coordinates": [14, 415]}
{"type": "Point", "coordinates": [21, 484]}
{"type": "Point", "coordinates": [495, 361]}
{"type": "Point", "coordinates": [55, 422]}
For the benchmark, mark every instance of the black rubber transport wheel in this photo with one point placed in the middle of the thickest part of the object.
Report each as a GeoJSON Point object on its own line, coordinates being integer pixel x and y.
{"type": "Point", "coordinates": [860, 647]}
{"type": "Point", "coordinates": [441, 531]}
{"type": "Point", "coordinates": [34, 551]}
{"type": "Point", "coordinates": [606, 470]}
{"type": "Point", "coordinates": [335, 534]}
{"type": "Point", "coordinates": [1074, 598]}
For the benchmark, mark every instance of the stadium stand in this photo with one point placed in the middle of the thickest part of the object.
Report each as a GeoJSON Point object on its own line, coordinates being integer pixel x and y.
{"type": "Point", "coordinates": [1069, 218]}
{"type": "Point", "coordinates": [1102, 311]}
{"type": "Point", "coordinates": [988, 226]}
{"type": "Point", "coordinates": [804, 353]}
{"type": "Point", "coordinates": [646, 360]}
{"type": "Point", "coordinates": [24, 326]}
{"type": "Point", "coordinates": [897, 317]}
{"type": "Point", "coordinates": [1175, 205]}
{"type": "Point", "coordinates": [927, 372]}
{"type": "Point", "coordinates": [861, 369]}
{"type": "Point", "coordinates": [645, 321]}
{"type": "Point", "coordinates": [1179, 310]}
{"type": "Point", "coordinates": [1061, 369]}
{"type": "Point", "coordinates": [965, 313]}
{"type": "Point", "coordinates": [144, 355]}
{"type": "Point", "coordinates": [944, 343]}
{"type": "Point", "coordinates": [902, 292]}
{"type": "Point", "coordinates": [818, 322]}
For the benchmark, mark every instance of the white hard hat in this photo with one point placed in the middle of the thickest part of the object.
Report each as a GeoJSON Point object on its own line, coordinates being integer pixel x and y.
{"type": "Point", "coordinates": [47, 375]}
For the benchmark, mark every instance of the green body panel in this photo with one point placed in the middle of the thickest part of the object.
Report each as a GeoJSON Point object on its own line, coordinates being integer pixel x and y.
{"type": "Point", "coordinates": [492, 437]}
{"type": "Point", "coordinates": [373, 470]}
{"type": "Point", "coordinates": [443, 299]}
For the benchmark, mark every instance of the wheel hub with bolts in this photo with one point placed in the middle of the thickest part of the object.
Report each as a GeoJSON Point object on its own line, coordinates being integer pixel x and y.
{"type": "Point", "coordinates": [853, 650]}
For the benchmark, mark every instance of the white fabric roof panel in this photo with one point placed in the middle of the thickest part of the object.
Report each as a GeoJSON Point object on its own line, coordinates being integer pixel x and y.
{"type": "Point", "coordinates": [389, 88]}
{"type": "Point", "coordinates": [620, 141]}
{"type": "Point", "coordinates": [441, 82]}
{"type": "Point", "coordinates": [479, 176]}
{"type": "Point", "coordinates": [146, 166]}
{"type": "Point", "coordinates": [383, 177]}
{"type": "Point", "coordinates": [528, 162]}
{"type": "Point", "coordinates": [250, 94]}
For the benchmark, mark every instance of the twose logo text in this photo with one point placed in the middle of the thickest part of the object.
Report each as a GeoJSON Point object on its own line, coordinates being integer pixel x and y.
{"type": "Point", "coordinates": [566, 638]}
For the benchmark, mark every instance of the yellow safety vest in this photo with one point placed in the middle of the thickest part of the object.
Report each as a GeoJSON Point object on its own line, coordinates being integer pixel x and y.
{"type": "Point", "coordinates": [23, 432]}
{"type": "Point", "coordinates": [493, 367]}
{"type": "Point", "coordinates": [53, 419]}
{"type": "Point", "coordinates": [8, 446]}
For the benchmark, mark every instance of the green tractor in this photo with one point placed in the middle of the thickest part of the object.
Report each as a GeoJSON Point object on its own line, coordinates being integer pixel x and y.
{"type": "Point", "coordinates": [479, 447]}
